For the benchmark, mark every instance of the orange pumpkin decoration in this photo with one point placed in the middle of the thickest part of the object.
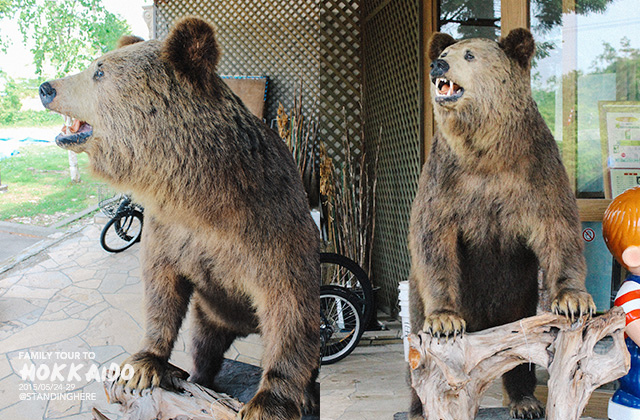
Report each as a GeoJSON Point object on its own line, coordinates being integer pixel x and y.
{"type": "Point", "coordinates": [621, 223]}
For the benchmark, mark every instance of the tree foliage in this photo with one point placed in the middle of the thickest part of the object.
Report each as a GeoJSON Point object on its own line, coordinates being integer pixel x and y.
{"type": "Point", "coordinates": [66, 34]}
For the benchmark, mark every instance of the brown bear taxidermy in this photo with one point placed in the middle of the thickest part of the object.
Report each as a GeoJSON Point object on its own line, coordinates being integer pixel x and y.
{"type": "Point", "coordinates": [494, 205]}
{"type": "Point", "coordinates": [227, 227]}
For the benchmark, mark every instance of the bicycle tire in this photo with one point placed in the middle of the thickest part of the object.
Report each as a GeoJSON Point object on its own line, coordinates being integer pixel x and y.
{"type": "Point", "coordinates": [338, 270]}
{"type": "Point", "coordinates": [119, 228]}
{"type": "Point", "coordinates": [341, 324]}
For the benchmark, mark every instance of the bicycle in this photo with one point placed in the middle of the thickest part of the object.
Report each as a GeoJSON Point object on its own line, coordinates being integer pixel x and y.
{"type": "Point", "coordinates": [338, 270]}
{"type": "Point", "coordinates": [341, 324]}
{"type": "Point", "coordinates": [346, 306]}
{"type": "Point", "coordinates": [125, 226]}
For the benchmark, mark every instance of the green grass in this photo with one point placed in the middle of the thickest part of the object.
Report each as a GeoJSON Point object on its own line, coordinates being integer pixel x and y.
{"type": "Point", "coordinates": [30, 119]}
{"type": "Point", "coordinates": [39, 185]}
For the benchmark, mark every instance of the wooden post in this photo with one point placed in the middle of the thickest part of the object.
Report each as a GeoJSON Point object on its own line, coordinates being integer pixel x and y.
{"type": "Point", "coordinates": [3, 188]}
{"type": "Point", "coordinates": [73, 167]}
{"type": "Point", "coordinates": [450, 376]}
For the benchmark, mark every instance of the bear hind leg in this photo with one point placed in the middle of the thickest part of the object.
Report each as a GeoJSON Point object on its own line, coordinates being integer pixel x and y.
{"type": "Point", "coordinates": [520, 382]}
{"type": "Point", "coordinates": [210, 342]}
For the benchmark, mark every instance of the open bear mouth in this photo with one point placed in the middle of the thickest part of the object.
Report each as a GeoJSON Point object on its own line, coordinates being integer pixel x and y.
{"type": "Point", "coordinates": [73, 132]}
{"type": "Point", "coordinates": [447, 90]}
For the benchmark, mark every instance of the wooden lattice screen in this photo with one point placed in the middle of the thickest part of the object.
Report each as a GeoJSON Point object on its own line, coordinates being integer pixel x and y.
{"type": "Point", "coordinates": [315, 43]}
{"type": "Point", "coordinates": [392, 98]}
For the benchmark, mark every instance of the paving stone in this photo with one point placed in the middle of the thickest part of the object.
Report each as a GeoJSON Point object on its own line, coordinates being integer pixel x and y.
{"type": "Point", "coordinates": [89, 284]}
{"type": "Point", "coordinates": [7, 282]}
{"type": "Point", "coordinates": [85, 296]}
{"type": "Point", "coordinates": [104, 354]}
{"type": "Point", "coordinates": [74, 308]}
{"type": "Point", "coordinates": [5, 367]}
{"type": "Point", "coordinates": [10, 389]}
{"type": "Point", "coordinates": [113, 282]}
{"type": "Point", "coordinates": [130, 303]}
{"type": "Point", "coordinates": [23, 410]}
{"type": "Point", "coordinates": [45, 280]}
{"type": "Point", "coordinates": [19, 291]}
{"type": "Point", "coordinates": [8, 328]}
{"type": "Point", "coordinates": [90, 312]}
{"type": "Point", "coordinates": [19, 309]}
{"type": "Point", "coordinates": [43, 332]}
{"type": "Point", "coordinates": [58, 409]}
{"type": "Point", "coordinates": [250, 352]}
{"type": "Point", "coordinates": [57, 304]}
{"type": "Point", "coordinates": [79, 274]}
{"type": "Point", "coordinates": [113, 327]}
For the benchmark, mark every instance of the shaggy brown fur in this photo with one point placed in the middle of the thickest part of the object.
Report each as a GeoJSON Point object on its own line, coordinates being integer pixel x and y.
{"type": "Point", "coordinates": [227, 224]}
{"type": "Point", "coordinates": [494, 205]}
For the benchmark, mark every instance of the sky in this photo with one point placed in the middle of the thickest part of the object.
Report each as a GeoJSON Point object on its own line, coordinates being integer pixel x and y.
{"type": "Point", "coordinates": [18, 62]}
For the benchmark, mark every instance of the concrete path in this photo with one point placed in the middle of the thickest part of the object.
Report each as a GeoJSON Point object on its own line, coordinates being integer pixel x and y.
{"type": "Point", "coordinates": [76, 305]}
{"type": "Point", "coordinates": [14, 238]}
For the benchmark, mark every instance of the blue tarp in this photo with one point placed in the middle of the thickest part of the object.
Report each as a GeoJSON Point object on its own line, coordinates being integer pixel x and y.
{"type": "Point", "coordinates": [9, 146]}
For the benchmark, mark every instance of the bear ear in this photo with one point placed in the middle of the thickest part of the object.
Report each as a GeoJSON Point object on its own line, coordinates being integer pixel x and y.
{"type": "Point", "coordinates": [192, 50]}
{"type": "Point", "coordinates": [438, 43]}
{"type": "Point", "coordinates": [519, 46]}
{"type": "Point", "coordinates": [128, 40]}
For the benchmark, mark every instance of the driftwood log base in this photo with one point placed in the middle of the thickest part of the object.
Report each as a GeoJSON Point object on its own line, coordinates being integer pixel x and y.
{"type": "Point", "coordinates": [194, 402]}
{"type": "Point", "coordinates": [450, 376]}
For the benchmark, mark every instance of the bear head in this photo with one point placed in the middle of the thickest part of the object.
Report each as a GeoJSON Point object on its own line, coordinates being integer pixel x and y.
{"type": "Point", "coordinates": [475, 80]}
{"type": "Point", "coordinates": [141, 97]}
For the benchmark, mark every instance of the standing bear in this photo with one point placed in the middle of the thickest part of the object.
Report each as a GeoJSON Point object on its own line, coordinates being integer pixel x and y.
{"type": "Point", "coordinates": [227, 225]}
{"type": "Point", "coordinates": [493, 207]}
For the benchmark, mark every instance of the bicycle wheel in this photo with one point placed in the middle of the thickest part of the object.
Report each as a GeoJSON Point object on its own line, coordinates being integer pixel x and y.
{"type": "Point", "coordinates": [121, 232]}
{"type": "Point", "coordinates": [339, 270]}
{"type": "Point", "coordinates": [341, 324]}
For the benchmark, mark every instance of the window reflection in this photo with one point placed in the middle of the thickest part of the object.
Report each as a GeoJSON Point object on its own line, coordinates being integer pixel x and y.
{"type": "Point", "coordinates": [588, 52]}
{"type": "Point", "coordinates": [470, 19]}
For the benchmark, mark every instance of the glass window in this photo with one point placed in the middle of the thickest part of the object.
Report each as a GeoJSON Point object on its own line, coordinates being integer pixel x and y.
{"type": "Point", "coordinates": [585, 81]}
{"type": "Point", "coordinates": [470, 18]}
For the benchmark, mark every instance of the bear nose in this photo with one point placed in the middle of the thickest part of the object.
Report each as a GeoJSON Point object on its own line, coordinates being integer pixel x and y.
{"type": "Point", "coordinates": [438, 68]}
{"type": "Point", "coordinates": [47, 93]}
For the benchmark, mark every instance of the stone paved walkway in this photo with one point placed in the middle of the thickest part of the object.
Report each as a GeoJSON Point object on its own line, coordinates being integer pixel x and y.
{"type": "Point", "coordinates": [75, 304]}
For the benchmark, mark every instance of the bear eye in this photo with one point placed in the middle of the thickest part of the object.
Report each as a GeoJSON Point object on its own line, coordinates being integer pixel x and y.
{"type": "Point", "coordinates": [98, 74]}
{"type": "Point", "coordinates": [469, 56]}
{"type": "Point", "coordinates": [443, 55]}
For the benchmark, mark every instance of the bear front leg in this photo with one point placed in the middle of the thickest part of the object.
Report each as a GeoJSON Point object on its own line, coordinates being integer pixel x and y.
{"type": "Point", "coordinates": [434, 280]}
{"type": "Point", "coordinates": [558, 246]}
{"type": "Point", "coordinates": [166, 301]}
{"type": "Point", "coordinates": [289, 324]}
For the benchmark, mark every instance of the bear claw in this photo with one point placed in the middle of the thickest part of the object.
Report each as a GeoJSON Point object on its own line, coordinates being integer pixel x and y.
{"type": "Point", "coordinates": [149, 371]}
{"type": "Point", "coordinates": [444, 324]}
{"type": "Point", "coordinates": [573, 304]}
{"type": "Point", "coordinates": [527, 408]}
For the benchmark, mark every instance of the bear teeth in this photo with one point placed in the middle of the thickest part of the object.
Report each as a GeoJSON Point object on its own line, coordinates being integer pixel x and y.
{"type": "Point", "coordinates": [447, 88]}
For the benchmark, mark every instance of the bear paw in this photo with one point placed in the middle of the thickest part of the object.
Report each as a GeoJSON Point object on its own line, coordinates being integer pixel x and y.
{"type": "Point", "coordinates": [573, 303]}
{"type": "Point", "coordinates": [526, 408]}
{"type": "Point", "coordinates": [444, 324]}
{"type": "Point", "coordinates": [150, 371]}
{"type": "Point", "coordinates": [266, 405]}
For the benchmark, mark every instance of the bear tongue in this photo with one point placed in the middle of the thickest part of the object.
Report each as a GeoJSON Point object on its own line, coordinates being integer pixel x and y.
{"type": "Point", "coordinates": [73, 128]}
{"type": "Point", "coordinates": [453, 88]}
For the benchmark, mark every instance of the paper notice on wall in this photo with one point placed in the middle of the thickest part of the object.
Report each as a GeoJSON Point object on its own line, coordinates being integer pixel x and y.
{"type": "Point", "coordinates": [623, 179]}
{"type": "Point", "coordinates": [623, 134]}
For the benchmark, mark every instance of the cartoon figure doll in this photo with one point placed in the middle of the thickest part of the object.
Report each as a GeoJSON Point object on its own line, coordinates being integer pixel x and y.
{"type": "Point", "coordinates": [621, 230]}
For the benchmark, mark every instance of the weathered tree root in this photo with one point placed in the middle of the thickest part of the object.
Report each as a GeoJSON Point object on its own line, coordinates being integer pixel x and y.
{"type": "Point", "coordinates": [450, 376]}
{"type": "Point", "coordinates": [193, 402]}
